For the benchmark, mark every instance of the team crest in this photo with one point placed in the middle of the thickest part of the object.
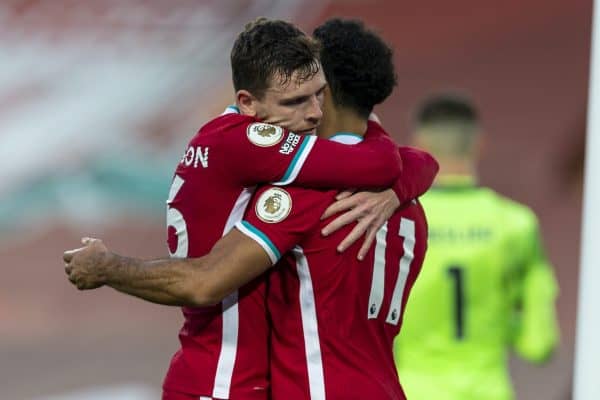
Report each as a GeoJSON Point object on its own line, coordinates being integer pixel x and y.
{"type": "Point", "coordinates": [274, 205]}
{"type": "Point", "coordinates": [264, 135]}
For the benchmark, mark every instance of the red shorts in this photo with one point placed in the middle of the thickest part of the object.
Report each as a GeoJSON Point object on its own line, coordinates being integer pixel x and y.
{"type": "Point", "coordinates": [172, 395]}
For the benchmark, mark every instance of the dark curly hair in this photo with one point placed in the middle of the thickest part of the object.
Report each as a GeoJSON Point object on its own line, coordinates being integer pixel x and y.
{"type": "Point", "coordinates": [272, 48]}
{"type": "Point", "coordinates": [357, 63]}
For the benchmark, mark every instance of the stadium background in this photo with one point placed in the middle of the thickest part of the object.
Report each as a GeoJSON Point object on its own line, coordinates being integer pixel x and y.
{"type": "Point", "coordinates": [98, 98]}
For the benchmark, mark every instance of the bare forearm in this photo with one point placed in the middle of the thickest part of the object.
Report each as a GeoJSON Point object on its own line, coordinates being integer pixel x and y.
{"type": "Point", "coordinates": [159, 281]}
{"type": "Point", "coordinates": [197, 282]}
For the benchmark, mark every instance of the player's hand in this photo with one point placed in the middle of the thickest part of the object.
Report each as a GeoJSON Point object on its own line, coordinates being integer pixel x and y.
{"type": "Point", "coordinates": [370, 209]}
{"type": "Point", "coordinates": [85, 266]}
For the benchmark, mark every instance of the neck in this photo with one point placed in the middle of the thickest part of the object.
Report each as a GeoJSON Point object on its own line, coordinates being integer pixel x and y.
{"type": "Point", "coordinates": [341, 120]}
{"type": "Point", "coordinates": [450, 166]}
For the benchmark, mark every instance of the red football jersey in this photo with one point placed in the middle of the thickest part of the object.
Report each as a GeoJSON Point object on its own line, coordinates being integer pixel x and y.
{"type": "Point", "coordinates": [224, 350]}
{"type": "Point", "coordinates": [333, 318]}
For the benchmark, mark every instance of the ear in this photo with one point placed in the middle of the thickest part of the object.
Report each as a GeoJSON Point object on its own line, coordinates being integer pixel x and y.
{"type": "Point", "coordinates": [246, 102]}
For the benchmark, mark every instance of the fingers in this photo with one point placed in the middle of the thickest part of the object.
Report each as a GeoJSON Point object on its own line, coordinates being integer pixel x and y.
{"type": "Point", "coordinates": [368, 227]}
{"type": "Point", "coordinates": [338, 206]}
{"type": "Point", "coordinates": [374, 225]}
{"type": "Point", "coordinates": [344, 194]}
{"type": "Point", "coordinates": [81, 285]}
{"type": "Point", "coordinates": [88, 241]}
{"type": "Point", "coordinates": [346, 200]}
{"type": "Point", "coordinates": [68, 255]}
{"type": "Point", "coordinates": [339, 222]}
{"type": "Point", "coordinates": [356, 209]}
{"type": "Point", "coordinates": [354, 235]}
{"type": "Point", "coordinates": [371, 210]}
{"type": "Point", "coordinates": [370, 237]}
{"type": "Point", "coordinates": [80, 281]}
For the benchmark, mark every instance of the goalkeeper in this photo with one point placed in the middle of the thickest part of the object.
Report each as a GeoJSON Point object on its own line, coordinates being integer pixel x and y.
{"type": "Point", "coordinates": [486, 286]}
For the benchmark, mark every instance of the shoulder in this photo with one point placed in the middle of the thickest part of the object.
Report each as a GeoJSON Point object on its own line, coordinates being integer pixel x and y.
{"type": "Point", "coordinates": [373, 126]}
{"type": "Point", "coordinates": [227, 122]}
{"type": "Point", "coordinates": [236, 128]}
{"type": "Point", "coordinates": [519, 210]}
{"type": "Point", "coordinates": [515, 215]}
{"type": "Point", "coordinates": [217, 128]}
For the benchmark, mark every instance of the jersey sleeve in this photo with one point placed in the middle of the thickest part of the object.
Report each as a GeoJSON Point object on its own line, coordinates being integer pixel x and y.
{"type": "Point", "coordinates": [536, 334]}
{"type": "Point", "coordinates": [264, 153]}
{"type": "Point", "coordinates": [278, 219]}
{"type": "Point", "coordinates": [373, 163]}
{"type": "Point", "coordinates": [419, 169]}
{"type": "Point", "coordinates": [259, 153]}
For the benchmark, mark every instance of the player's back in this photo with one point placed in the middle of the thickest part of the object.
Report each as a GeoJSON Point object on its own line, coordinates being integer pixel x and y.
{"type": "Point", "coordinates": [457, 326]}
{"type": "Point", "coordinates": [205, 201]}
{"type": "Point", "coordinates": [281, 218]}
{"type": "Point", "coordinates": [335, 318]}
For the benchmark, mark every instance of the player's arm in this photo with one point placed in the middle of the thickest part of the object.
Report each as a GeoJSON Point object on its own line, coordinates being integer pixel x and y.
{"type": "Point", "coordinates": [537, 334]}
{"type": "Point", "coordinates": [234, 261]}
{"type": "Point", "coordinates": [373, 163]}
{"type": "Point", "coordinates": [261, 153]}
{"type": "Point", "coordinates": [418, 172]}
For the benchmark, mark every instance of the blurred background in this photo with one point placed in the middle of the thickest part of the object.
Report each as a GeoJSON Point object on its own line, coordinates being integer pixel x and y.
{"type": "Point", "coordinates": [99, 98]}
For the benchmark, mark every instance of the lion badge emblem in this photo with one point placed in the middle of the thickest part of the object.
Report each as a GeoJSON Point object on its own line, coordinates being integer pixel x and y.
{"type": "Point", "coordinates": [264, 135]}
{"type": "Point", "coordinates": [274, 205]}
